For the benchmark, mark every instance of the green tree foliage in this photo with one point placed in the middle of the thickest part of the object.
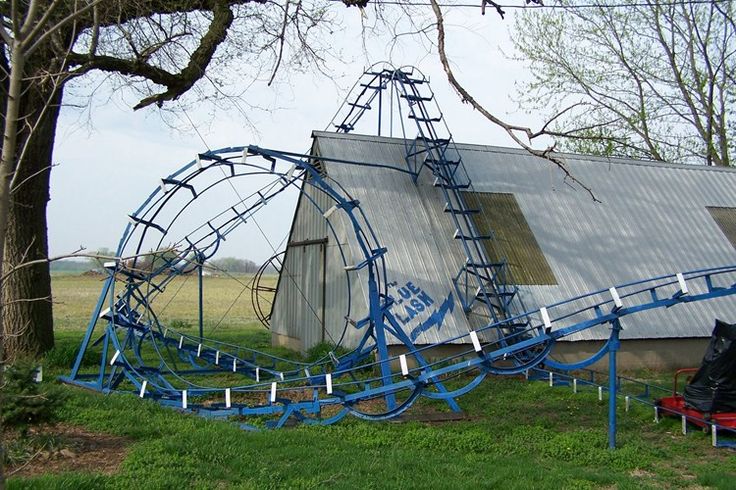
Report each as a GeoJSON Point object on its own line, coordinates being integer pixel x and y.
{"type": "Point", "coordinates": [234, 264]}
{"type": "Point", "coordinates": [26, 402]}
{"type": "Point", "coordinates": [653, 81]}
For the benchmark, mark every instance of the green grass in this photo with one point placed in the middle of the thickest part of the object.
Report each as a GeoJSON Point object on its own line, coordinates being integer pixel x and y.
{"type": "Point", "coordinates": [521, 435]}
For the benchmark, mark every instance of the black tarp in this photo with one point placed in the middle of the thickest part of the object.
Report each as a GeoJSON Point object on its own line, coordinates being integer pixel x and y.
{"type": "Point", "coordinates": [713, 388]}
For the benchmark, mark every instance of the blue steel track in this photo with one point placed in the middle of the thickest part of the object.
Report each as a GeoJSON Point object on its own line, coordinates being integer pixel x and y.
{"type": "Point", "coordinates": [139, 354]}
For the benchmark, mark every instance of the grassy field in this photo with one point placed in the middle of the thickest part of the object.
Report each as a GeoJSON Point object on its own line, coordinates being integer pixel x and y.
{"type": "Point", "coordinates": [519, 434]}
{"type": "Point", "coordinates": [75, 296]}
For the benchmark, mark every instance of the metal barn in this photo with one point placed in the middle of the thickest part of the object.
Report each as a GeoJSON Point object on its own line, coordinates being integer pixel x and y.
{"type": "Point", "coordinates": [557, 241]}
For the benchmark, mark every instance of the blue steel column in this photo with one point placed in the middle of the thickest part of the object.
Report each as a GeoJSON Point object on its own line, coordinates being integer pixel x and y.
{"type": "Point", "coordinates": [200, 259]}
{"type": "Point", "coordinates": [613, 346]}
{"type": "Point", "coordinates": [376, 315]}
{"type": "Point", "coordinates": [91, 326]}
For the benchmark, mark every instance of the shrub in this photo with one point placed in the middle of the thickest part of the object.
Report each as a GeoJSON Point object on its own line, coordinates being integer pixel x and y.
{"type": "Point", "coordinates": [26, 402]}
{"type": "Point", "coordinates": [322, 350]}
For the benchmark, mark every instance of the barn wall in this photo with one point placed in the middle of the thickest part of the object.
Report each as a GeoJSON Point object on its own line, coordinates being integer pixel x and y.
{"type": "Point", "coordinates": [344, 292]}
{"type": "Point", "coordinates": [298, 311]}
{"type": "Point", "coordinates": [656, 354]}
{"type": "Point", "coordinates": [313, 298]}
{"type": "Point", "coordinates": [652, 219]}
{"type": "Point", "coordinates": [666, 355]}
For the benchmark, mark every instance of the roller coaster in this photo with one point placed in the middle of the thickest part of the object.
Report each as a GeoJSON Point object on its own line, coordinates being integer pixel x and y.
{"type": "Point", "coordinates": [141, 354]}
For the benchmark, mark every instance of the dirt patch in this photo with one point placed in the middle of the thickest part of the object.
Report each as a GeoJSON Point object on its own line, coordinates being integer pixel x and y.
{"type": "Point", "coordinates": [64, 448]}
{"type": "Point", "coordinates": [640, 473]}
{"type": "Point", "coordinates": [92, 273]}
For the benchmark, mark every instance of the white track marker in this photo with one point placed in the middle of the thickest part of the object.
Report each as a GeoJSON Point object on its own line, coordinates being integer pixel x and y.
{"type": "Point", "coordinates": [258, 375]}
{"type": "Point", "coordinates": [714, 435]}
{"type": "Point", "coordinates": [684, 425]}
{"type": "Point", "coordinates": [217, 357]}
{"type": "Point", "coordinates": [551, 379]}
{"type": "Point", "coordinates": [306, 373]}
{"type": "Point", "coordinates": [184, 399]}
{"type": "Point", "coordinates": [404, 367]}
{"type": "Point", "coordinates": [328, 382]}
{"type": "Point", "coordinates": [281, 375]}
{"type": "Point", "coordinates": [227, 398]}
{"type": "Point", "coordinates": [600, 393]}
{"type": "Point", "coordinates": [545, 317]}
{"type": "Point", "coordinates": [329, 212]}
{"type": "Point", "coordinates": [628, 402]}
{"type": "Point", "coordinates": [115, 357]}
{"type": "Point", "coordinates": [199, 350]}
{"type": "Point", "coordinates": [181, 342]}
{"type": "Point", "coordinates": [656, 415]}
{"type": "Point", "coordinates": [683, 284]}
{"type": "Point", "coordinates": [142, 393]}
{"type": "Point", "coordinates": [166, 331]}
{"type": "Point", "coordinates": [273, 392]}
{"type": "Point", "coordinates": [235, 365]}
{"type": "Point", "coordinates": [475, 341]}
{"type": "Point", "coordinates": [616, 298]}
{"type": "Point", "coordinates": [575, 385]}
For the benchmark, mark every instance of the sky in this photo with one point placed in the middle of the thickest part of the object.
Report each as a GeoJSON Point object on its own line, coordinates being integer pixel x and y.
{"type": "Point", "coordinates": [108, 159]}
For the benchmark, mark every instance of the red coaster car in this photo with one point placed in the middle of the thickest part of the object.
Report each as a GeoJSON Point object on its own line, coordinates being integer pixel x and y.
{"type": "Point", "coordinates": [675, 406]}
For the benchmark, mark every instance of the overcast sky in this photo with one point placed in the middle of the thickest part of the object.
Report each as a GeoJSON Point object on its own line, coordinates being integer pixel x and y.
{"type": "Point", "coordinates": [109, 163]}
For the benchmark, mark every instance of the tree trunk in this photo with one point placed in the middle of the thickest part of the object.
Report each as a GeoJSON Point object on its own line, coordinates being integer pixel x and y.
{"type": "Point", "coordinates": [27, 314]}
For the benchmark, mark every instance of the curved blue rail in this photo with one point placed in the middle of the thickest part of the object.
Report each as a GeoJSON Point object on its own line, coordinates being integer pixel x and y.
{"type": "Point", "coordinates": [189, 372]}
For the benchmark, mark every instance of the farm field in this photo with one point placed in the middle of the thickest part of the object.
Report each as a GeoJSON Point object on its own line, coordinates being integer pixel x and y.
{"type": "Point", "coordinates": [227, 301]}
{"type": "Point", "coordinates": [517, 434]}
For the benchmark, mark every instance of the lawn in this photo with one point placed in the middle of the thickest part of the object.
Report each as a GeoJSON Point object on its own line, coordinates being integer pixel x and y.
{"type": "Point", "coordinates": [518, 434]}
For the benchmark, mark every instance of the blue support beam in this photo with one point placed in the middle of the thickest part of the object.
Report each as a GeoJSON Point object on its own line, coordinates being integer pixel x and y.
{"type": "Point", "coordinates": [322, 392]}
{"type": "Point", "coordinates": [613, 346]}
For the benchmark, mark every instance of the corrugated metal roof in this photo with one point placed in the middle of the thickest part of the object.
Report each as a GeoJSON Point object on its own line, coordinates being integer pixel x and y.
{"type": "Point", "coordinates": [409, 221]}
{"type": "Point", "coordinates": [652, 219]}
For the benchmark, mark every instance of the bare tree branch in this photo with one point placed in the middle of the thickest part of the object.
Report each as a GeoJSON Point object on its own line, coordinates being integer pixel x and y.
{"type": "Point", "coordinates": [511, 130]}
{"type": "Point", "coordinates": [79, 254]}
{"type": "Point", "coordinates": [282, 41]}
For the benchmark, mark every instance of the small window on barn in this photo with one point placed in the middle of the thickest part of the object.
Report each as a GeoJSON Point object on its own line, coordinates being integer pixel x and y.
{"type": "Point", "coordinates": [513, 240]}
{"type": "Point", "coordinates": [725, 218]}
